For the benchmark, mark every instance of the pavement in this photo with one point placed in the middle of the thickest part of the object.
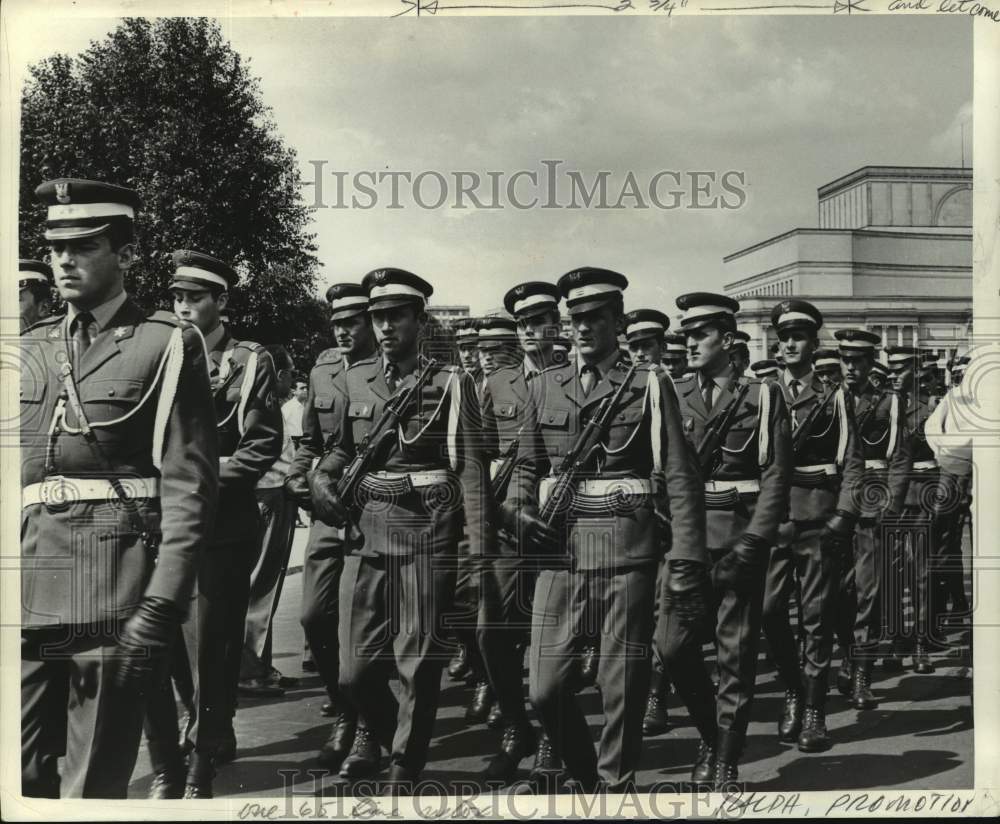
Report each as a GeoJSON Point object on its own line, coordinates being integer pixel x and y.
{"type": "Point", "coordinates": [920, 736]}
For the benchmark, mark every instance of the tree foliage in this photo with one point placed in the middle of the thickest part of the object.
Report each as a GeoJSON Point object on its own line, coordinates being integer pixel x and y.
{"type": "Point", "coordinates": [168, 108]}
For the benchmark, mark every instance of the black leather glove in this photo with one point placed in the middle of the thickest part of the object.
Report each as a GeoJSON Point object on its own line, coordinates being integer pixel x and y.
{"type": "Point", "coordinates": [297, 488]}
{"type": "Point", "coordinates": [144, 642]}
{"type": "Point", "coordinates": [838, 532]}
{"type": "Point", "coordinates": [327, 505]}
{"type": "Point", "coordinates": [686, 595]}
{"type": "Point", "coordinates": [741, 568]}
{"type": "Point", "coordinates": [523, 521]}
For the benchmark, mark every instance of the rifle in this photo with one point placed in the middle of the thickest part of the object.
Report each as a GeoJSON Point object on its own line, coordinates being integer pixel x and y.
{"type": "Point", "coordinates": [804, 429]}
{"type": "Point", "coordinates": [506, 470]}
{"type": "Point", "coordinates": [715, 434]}
{"type": "Point", "coordinates": [220, 390]}
{"type": "Point", "coordinates": [862, 422]}
{"type": "Point", "coordinates": [582, 454]}
{"type": "Point", "coordinates": [375, 440]}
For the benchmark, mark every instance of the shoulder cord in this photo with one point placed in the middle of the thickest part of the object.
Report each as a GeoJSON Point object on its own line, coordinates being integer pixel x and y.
{"type": "Point", "coordinates": [638, 426]}
{"type": "Point", "coordinates": [893, 426]}
{"type": "Point", "coordinates": [245, 389]}
{"type": "Point", "coordinates": [655, 420]}
{"type": "Point", "coordinates": [841, 403]}
{"type": "Point", "coordinates": [456, 401]}
{"type": "Point", "coordinates": [764, 425]}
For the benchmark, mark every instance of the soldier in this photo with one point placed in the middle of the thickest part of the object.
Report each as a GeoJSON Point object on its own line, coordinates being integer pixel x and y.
{"type": "Point", "coordinates": [34, 291]}
{"type": "Point", "coordinates": [738, 427]}
{"type": "Point", "coordinates": [674, 357]}
{"type": "Point", "coordinates": [823, 511]}
{"type": "Point", "coordinates": [601, 569]}
{"type": "Point", "coordinates": [400, 576]}
{"type": "Point", "coordinates": [826, 363]}
{"type": "Point", "coordinates": [878, 376]}
{"type": "Point", "coordinates": [119, 481]}
{"type": "Point", "coordinates": [765, 369]}
{"type": "Point", "coordinates": [350, 747]}
{"type": "Point", "coordinates": [250, 434]}
{"type": "Point", "coordinates": [886, 451]}
{"type": "Point", "coordinates": [645, 330]}
{"type": "Point", "coordinates": [740, 353]}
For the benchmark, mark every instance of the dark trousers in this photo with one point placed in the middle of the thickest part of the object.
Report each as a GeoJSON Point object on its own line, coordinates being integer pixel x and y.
{"type": "Point", "coordinates": [464, 616]}
{"type": "Point", "coordinates": [70, 706]}
{"type": "Point", "coordinates": [503, 630]}
{"type": "Point", "coordinates": [321, 571]}
{"type": "Point", "coordinates": [621, 604]}
{"type": "Point", "coordinates": [818, 577]}
{"type": "Point", "coordinates": [914, 565]}
{"type": "Point", "coordinates": [395, 605]}
{"type": "Point", "coordinates": [737, 632]}
{"type": "Point", "coordinates": [858, 624]}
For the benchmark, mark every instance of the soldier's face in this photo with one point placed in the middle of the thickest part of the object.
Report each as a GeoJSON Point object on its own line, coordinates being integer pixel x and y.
{"type": "Point", "coordinates": [31, 307]}
{"type": "Point", "coordinates": [354, 335]}
{"type": "Point", "coordinates": [646, 350]}
{"type": "Point", "coordinates": [468, 357]}
{"type": "Point", "coordinates": [199, 306]}
{"type": "Point", "coordinates": [738, 358]}
{"type": "Point", "coordinates": [537, 332]}
{"type": "Point", "coordinates": [956, 378]}
{"type": "Point", "coordinates": [709, 347]}
{"type": "Point", "coordinates": [797, 347]}
{"type": "Point", "coordinates": [397, 330]}
{"type": "Point", "coordinates": [596, 332]}
{"type": "Point", "coordinates": [88, 272]}
{"type": "Point", "coordinates": [856, 370]}
{"type": "Point", "coordinates": [902, 378]}
{"type": "Point", "coordinates": [676, 367]}
{"type": "Point", "coordinates": [497, 357]}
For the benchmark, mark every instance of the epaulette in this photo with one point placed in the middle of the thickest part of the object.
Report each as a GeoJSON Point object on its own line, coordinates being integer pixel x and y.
{"type": "Point", "coordinates": [552, 366]}
{"type": "Point", "coordinates": [685, 377]}
{"type": "Point", "coordinates": [38, 324]}
{"type": "Point", "coordinates": [332, 355]}
{"type": "Point", "coordinates": [165, 317]}
{"type": "Point", "coordinates": [249, 345]}
{"type": "Point", "coordinates": [369, 360]}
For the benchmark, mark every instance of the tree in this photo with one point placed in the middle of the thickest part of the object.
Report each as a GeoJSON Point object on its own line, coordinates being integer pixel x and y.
{"type": "Point", "coordinates": [170, 109]}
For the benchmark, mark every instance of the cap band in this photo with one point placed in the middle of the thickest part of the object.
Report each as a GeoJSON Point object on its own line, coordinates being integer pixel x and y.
{"type": "Point", "coordinates": [30, 274]}
{"type": "Point", "coordinates": [857, 344]}
{"type": "Point", "coordinates": [462, 335]}
{"type": "Point", "coordinates": [534, 300]}
{"type": "Point", "coordinates": [196, 273]}
{"type": "Point", "coordinates": [592, 290]}
{"type": "Point", "coordinates": [704, 310]}
{"type": "Point", "coordinates": [828, 362]}
{"type": "Point", "coordinates": [395, 290]}
{"type": "Point", "coordinates": [644, 326]}
{"type": "Point", "coordinates": [351, 302]}
{"type": "Point", "coordinates": [496, 333]}
{"type": "Point", "coordinates": [73, 211]}
{"type": "Point", "coordinates": [788, 317]}
{"type": "Point", "coordinates": [900, 357]}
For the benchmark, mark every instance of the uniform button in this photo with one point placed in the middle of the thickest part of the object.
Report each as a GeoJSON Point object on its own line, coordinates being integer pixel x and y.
{"type": "Point", "coordinates": [552, 418]}
{"type": "Point", "coordinates": [111, 392]}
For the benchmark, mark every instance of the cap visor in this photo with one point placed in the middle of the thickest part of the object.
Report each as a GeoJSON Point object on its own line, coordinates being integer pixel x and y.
{"type": "Point", "coordinates": [588, 306]}
{"type": "Point", "coordinates": [536, 310]}
{"type": "Point", "coordinates": [393, 303]}
{"type": "Point", "coordinates": [192, 285]}
{"type": "Point", "coordinates": [342, 314]}
{"type": "Point", "coordinates": [75, 232]}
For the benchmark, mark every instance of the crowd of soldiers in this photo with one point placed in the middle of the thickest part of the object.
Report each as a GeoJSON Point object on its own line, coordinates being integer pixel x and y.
{"type": "Point", "coordinates": [608, 508]}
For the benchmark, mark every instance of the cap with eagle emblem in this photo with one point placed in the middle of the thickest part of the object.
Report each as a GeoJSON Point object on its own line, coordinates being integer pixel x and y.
{"type": "Point", "coordinates": [497, 331]}
{"type": "Point", "coordinates": [796, 314]}
{"type": "Point", "coordinates": [764, 368]}
{"type": "Point", "coordinates": [701, 308]}
{"type": "Point", "coordinates": [589, 288]}
{"type": "Point", "coordinates": [346, 300]}
{"type": "Point", "coordinates": [196, 270]}
{"type": "Point", "coordinates": [856, 342]}
{"type": "Point", "coordinates": [466, 331]}
{"type": "Point", "coordinates": [33, 271]}
{"type": "Point", "coordinates": [388, 287]}
{"type": "Point", "coordinates": [531, 298]}
{"type": "Point", "coordinates": [674, 347]}
{"type": "Point", "coordinates": [645, 323]}
{"type": "Point", "coordinates": [80, 208]}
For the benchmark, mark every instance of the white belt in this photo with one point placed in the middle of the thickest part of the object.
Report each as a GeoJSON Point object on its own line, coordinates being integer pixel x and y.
{"type": "Point", "coordinates": [59, 490]}
{"type": "Point", "coordinates": [600, 486]}
{"type": "Point", "coordinates": [875, 463]}
{"type": "Point", "coordinates": [747, 487]}
{"type": "Point", "coordinates": [417, 479]}
{"type": "Point", "coordinates": [925, 465]}
{"type": "Point", "coordinates": [828, 469]}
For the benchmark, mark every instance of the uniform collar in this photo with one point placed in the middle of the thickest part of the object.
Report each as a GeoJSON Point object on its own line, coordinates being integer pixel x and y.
{"type": "Point", "coordinates": [213, 338]}
{"type": "Point", "coordinates": [102, 314]}
{"type": "Point", "coordinates": [805, 380]}
{"type": "Point", "coordinates": [603, 367]}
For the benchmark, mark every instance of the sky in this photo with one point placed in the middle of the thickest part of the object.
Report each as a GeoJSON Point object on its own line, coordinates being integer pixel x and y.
{"type": "Point", "coordinates": [790, 102]}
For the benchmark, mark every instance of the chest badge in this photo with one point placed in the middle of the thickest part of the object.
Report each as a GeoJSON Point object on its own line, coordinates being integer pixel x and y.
{"type": "Point", "coordinates": [120, 331]}
{"type": "Point", "coordinates": [689, 424]}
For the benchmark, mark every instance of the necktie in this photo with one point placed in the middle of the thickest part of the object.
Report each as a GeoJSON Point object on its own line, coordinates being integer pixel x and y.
{"type": "Point", "coordinates": [794, 387]}
{"type": "Point", "coordinates": [81, 335]}
{"type": "Point", "coordinates": [391, 376]}
{"type": "Point", "coordinates": [708, 393]}
{"type": "Point", "coordinates": [588, 379]}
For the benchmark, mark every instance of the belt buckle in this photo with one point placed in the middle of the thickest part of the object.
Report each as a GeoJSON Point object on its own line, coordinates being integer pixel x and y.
{"type": "Point", "coordinates": [53, 491]}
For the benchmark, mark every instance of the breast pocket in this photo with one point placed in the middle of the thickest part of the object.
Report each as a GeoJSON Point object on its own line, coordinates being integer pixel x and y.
{"type": "Point", "coordinates": [555, 426]}
{"type": "Point", "coordinates": [33, 391]}
{"type": "Point", "coordinates": [106, 401]}
{"type": "Point", "coordinates": [361, 416]}
{"type": "Point", "coordinates": [741, 432]}
{"type": "Point", "coordinates": [622, 427]}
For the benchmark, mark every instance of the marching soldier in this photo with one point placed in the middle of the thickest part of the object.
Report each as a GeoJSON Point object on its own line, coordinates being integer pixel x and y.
{"type": "Point", "coordinates": [119, 484]}
{"type": "Point", "coordinates": [250, 431]}
{"type": "Point", "coordinates": [34, 291]}
{"type": "Point", "coordinates": [740, 353]}
{"type": "Point", "coordinates": [674, 357]}
{"type": "Point", "coordinates": [350, 746]}
{"type": "Point", "coordinates": [826, 363]}
{"type": "Point", "coordinates": [823, 511]}
{"type": "Point", "coordinates": [878, 376]}
{"type": "Point", "coordinates": [765, 369]}
{"type": "Point", "coordinates": [645, 330]}
{"type": "Point", "coordinates": [406, 523]}
{"type": "Point", "coordinates": [886, 451]}
{"type": "Point", "coordinates": [601, 572]}
{"type": "Point", "coordinates": [738, 427]}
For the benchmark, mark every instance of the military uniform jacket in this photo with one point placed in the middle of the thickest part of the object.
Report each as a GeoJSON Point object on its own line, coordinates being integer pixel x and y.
{"type": "Point", "coordinates": [319, 418]}
{"type": "Point", "coordinates": [757, 447]}
{"type": "Point", "coordinates": [644, 442]}
{"type": "Point", "coordinates": [834, 442]}
{"type": "Point", "coordinates": [143, 385]}
{"type": "Point", "coordinates": [250, 428]}
{"type": "Point", "coordinates": [885, 448]}
{"type": "Point", "coordinates": [442, 430]}
{"type": "Point", "coordinates": [928, 489]}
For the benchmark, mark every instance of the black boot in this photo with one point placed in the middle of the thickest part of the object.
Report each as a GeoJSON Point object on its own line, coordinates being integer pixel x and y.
{"type": "Point", "coordinates": [226, 751]}
{"type": "Point", "coordinates": [655, 721]}
{"type": "Point", "coordinates": [400, 781]}
{"type": "Point", "coordinates": [482, 702]}
{"type": "Point", "coordinates": [365, 759]}
{"type": "Point", "coordinates": [704, 764]}
{"type": "Point", "coordinates": [337, 747]}
{"type": "Point", "coordinates": [725, 771]}
{"type": "Point", "coordinates": [861, 692]}
{"type": "Point", "coordinates": [496, 719]}
{"type": "Point", "coordinates": [519, 741]}
{"type": "Point", "coordinates": [201, 771]}
{"type": "Point", "coordinates": [168, 771]}
{"type": "Point", "coordinates": [893, 660]}
{"type": "Point", "coordinates": [790, 723]}
{"type": "Point", "coordinates": [547, 773]}
{"type": "Point", "coordinates": [458, 668]}
{"type": "Point", "coordinates": [814, 737]}
{"type": "Point", "coordinates": [845, 676]}
{"type": "Point", "coordinates": [588, 666]}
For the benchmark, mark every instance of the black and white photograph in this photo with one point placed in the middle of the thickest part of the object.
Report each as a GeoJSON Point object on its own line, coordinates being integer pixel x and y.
{"type": "Point", "coordinates": [453, 410]}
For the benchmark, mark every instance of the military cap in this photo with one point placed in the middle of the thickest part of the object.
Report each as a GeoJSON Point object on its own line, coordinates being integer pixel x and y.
{"type": "Point", "coordinates": [645, 323]}
{"type": "Point", "coordinates": [531, 298]}
{"type": "Point", "coordinates": [466, 330]}
{"type": "Point", "coordinates": [590, 288]}
{"type": "Point", "coordinates": [960, 364]}
{"type": "Point", "coordinates": [879, 368]}
{"type": "Point", "coordinates": [826, 359]}
{"type": "Point", "coordinates": [84, 208]}
{"type": "Point", "coordinates": [796, 314]}
{"type": "Point", "coordinates": [701, 308]}
{"type": "Point", "coordinates": [390, 287]}
{"type": "Point", "coordinates": [497, 331]}
{"type": "Point", "coordinates": [346, 300]}
{"type": "Point", "coordinates": [674, 347]}
{"type": "Point", "coordinates": [856, 341]}
{"type": "Point", "coordinates": [928, 362]}
{"type": "Point", "coordinates": [33, 271]}
{"type": "Point", "coordinates": [900, 357]}
{"type": "Point", "coordinates": [763, 368]}
{"type": "Point", "coordinates": [741, 336]}
{"type": "Point", "coordinates": [196, 270]}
